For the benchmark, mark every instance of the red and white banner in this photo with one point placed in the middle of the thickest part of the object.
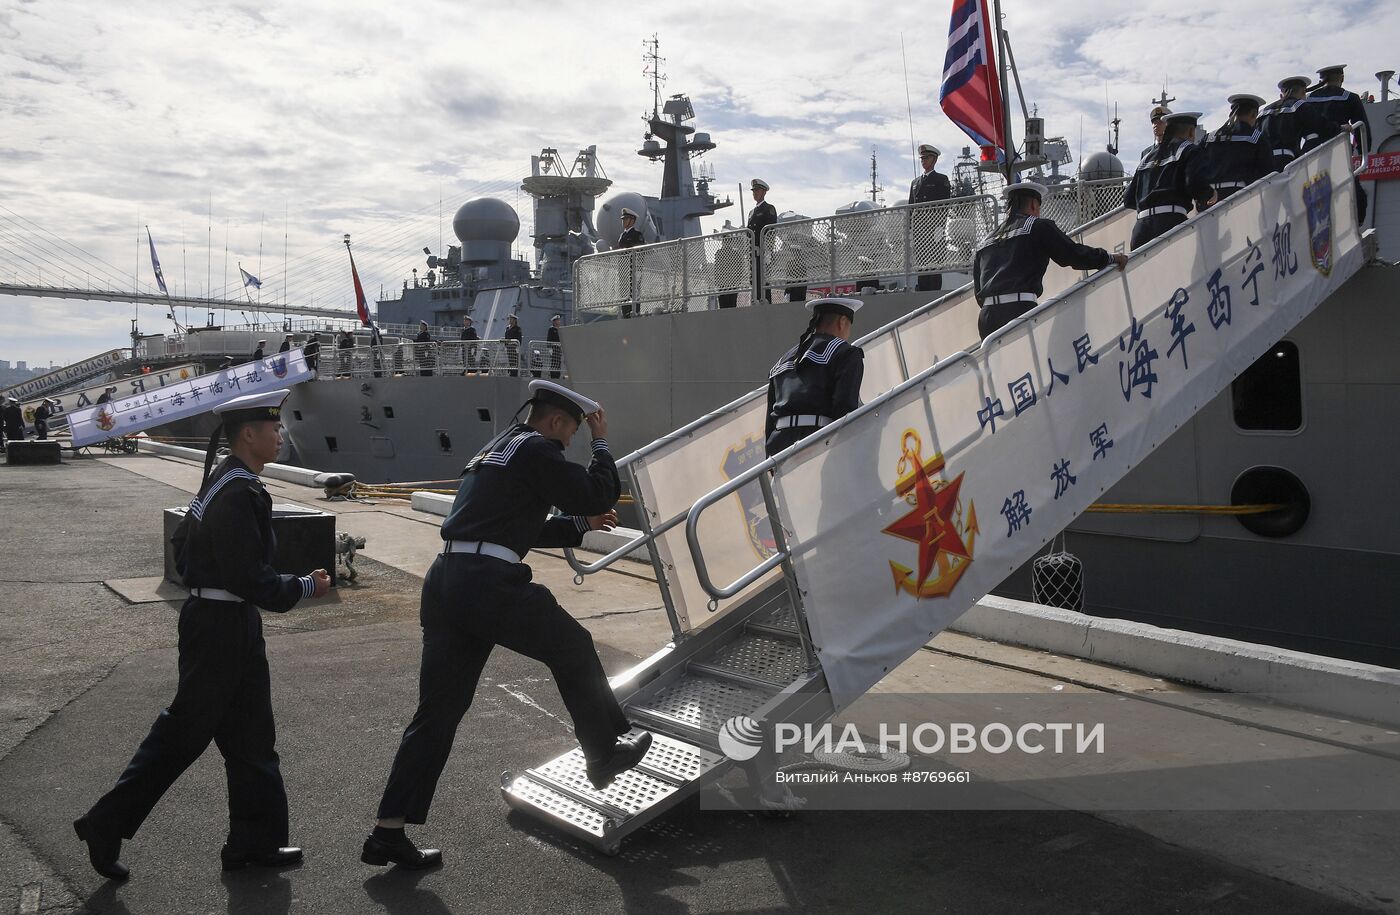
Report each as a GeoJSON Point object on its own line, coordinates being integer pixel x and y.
{"type": "Point", "coordinates": [1382, 167]}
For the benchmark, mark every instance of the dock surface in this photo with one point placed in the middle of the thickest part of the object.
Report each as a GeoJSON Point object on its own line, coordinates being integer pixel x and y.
{"type": "Point", "coordinates": [88, 649]}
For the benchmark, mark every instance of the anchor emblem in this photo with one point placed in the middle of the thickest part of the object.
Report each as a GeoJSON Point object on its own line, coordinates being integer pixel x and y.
{"type": "Point", "coordinates": [937, 523]}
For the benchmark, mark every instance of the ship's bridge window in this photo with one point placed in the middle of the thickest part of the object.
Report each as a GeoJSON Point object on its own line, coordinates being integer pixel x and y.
{"type": "Point", "coordinates": [1268, 396]}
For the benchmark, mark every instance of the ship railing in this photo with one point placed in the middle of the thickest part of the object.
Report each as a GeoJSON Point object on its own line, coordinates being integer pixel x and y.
{"type": "Point", "coordinates": [668, 476]}
{"type": "Point", "coordinates": [1077, 202]}
{"type": "Point", "coordinates": [500, 358]}
{"type": "Point", "coordinates": [689, 274]}
{"type": "Point", "coordinates": [867, 247]}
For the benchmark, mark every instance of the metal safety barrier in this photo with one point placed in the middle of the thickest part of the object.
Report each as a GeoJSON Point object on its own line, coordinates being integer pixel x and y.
{"type": "Point", "coordinates": [894, 242]}
{"type": "Point", "coordinates": [689, 274]}
{"type": "Point", "coordinates": [500, 358]}
{"type": "Point", "coordinates": [1078, 202]}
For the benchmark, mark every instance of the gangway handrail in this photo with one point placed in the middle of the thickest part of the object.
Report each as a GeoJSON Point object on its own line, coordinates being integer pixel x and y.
{"type": "Point", "coordinates": [582, 569]}
{"type": "Point", "coordinates": [761, 469]}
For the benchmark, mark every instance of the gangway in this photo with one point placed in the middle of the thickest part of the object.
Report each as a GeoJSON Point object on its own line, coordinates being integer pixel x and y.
{"type": "Point", "coordinates": [1028, 427]}
{"type": "Point", "coordinates": [69, 376]}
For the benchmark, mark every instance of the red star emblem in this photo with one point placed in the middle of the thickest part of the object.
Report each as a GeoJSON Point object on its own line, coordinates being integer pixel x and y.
{"type": "Point", "coordinates": [930, 523]}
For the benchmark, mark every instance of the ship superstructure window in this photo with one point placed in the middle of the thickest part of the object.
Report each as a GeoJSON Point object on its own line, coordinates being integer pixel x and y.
{"type": "Point", "coordinates": [1268, 396]}
{"type": "Point", "coordinates": [331, 444]}
{"type": "Point", "coordinates": [483, 414]}
{"type": "Point", "coordinates": [388, 412]}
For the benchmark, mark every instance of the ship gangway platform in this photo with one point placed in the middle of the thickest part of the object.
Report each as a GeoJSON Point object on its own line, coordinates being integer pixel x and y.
{"type": "Point", "coordinates": [794, 584]}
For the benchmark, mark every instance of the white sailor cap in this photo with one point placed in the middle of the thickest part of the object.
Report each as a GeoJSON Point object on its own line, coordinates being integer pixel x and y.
{"type": "Point", "coordinates": [758, 182]}
{"type": "Point", "coordinates": [1294, 80]}
{"type": "Point", "coordinates": [627, 212]}
{"type": "Point", "coordinates": [261, 342]}
{"type": "Point", "coordinates": [424, 323]}
{"type": "Point", "coordinates": [512, 318]}
{"type": "Point", "coordinates": [1191, 116]}
{"type": "Point", "coordinates": [1322, 71]}
{"type": "Point", "coordinates": [928, 149]}
{"type": "Point", "coordinates": [835, 304]}
{"type": "Point", "coordinates": [1245, 100]}
{"type": "Point", "coordinates": [253, 407]}
{"type": "Point", "coordinates": [467, 318]}
{"type": "Point", "coordinates": [1025, 187]}
{"type": "Point", "coordinates": [557, 318]}
{"type": "Point", "coordinates": [556, 395]}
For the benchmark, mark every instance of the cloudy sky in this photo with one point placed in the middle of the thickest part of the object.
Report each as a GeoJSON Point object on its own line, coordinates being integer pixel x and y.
{"type": "Point", "coordinates": [287, 123]}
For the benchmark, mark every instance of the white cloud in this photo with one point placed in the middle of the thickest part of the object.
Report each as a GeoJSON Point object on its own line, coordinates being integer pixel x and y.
{"type": "Point", "coordinates": [354, 116]}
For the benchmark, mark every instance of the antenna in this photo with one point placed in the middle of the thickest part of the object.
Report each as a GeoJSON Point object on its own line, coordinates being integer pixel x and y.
{"type": "Point", "coordinates": [1113, 146]}
{"type": "Point", "coordinates": [908, 105]}
{"type": "Point", "coordinates": [1165, 99]}
{"type": "Point", "coordinates": [875, 190]}
{"type": "Point", "coordinates": [653, 61]}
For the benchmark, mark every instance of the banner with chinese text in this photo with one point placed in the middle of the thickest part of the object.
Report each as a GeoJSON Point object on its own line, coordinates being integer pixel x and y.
{"type": "Point", "coordinates": [131, 386]}
{"type": "Point", "coordinates": [130, 414]}
{"type": "Point", "coordinates": [902, 518]}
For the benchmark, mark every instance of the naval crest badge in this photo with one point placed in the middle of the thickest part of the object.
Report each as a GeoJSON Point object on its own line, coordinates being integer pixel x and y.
{"type": "Point", "coordinates": [1317, 197]}
{"type": "Point", "coordinates": [279, 366]}
{"type": "Point", "coordinates": [737, 459]}
{"type": "Point", "coordinates": [106, 419]}
{"type": "Point", "coordinates": [936, 522]}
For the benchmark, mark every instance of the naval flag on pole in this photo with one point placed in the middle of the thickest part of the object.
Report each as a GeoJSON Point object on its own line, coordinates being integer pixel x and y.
{"type": "Point", "coordinates": [971, 92]}
{"type": "Point", "coordinates": [155, 263]}
{"type": "Point", "coordinates": [361, 306]}
{"type": "Point", "coordinates": [249, 279]}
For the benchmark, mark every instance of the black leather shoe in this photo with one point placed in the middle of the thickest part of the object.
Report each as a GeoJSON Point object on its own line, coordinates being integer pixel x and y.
{"type": "Point", "coordinates": [626, 753]}
{"type": "Point", "coordinates": [103, 850]}
{"type": "Point", "coordinates": [236, 859]}
{"type": "Point", "coordinates": [400, 851]}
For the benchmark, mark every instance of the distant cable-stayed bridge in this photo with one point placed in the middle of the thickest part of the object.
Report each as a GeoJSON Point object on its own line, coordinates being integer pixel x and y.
{"type": "Point", "coordinates": [172, 301]}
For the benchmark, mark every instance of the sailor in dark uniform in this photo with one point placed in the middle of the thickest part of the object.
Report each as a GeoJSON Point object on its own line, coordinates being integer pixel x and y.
{"type": "Point", "coordinates": [1336, 108]}
{"type": "Point", "coordinates": [286, 346]}
{"type": "Point", "coordinates": [13, 417]}
{"type": "Point", "coordinates": [631, 237]}
{"type": "Point", "coordinates": [763, 215]}
{"type": "Point", "coordinates": [927, 188]}
{"type": "Point", "coordinates": [1238, 154]}
{"type": "Point", "coordinates": [106, 396]}
{"type": "Point", "coordinates": [1168, 181]}
{"type": "Point", "coordinates": [258, 351]}
{"type": "Point", "coordinates": [817, 381]}
{"type": "Point", "coordinates": [469, 337]}
{"type": "Point", "coordinates": [1156, 116]}
{"type": "Point", "coordinates": [224, 551]}
{"type": "Point", "coordinates": [41, 418]}
{"type": "Point", "coordinates": [1008, 271]}
{"type": "Point", "coordinates": [555, 354]}
{"type": "Point", "coordinates": [513, 337]}
{"type": "Point", "coordinates": [478, 595]}
{"type": "Point", "coordinates": [1288, 124]}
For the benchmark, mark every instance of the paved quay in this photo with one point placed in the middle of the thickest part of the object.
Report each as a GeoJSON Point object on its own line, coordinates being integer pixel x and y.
{"type": "Point", "coordinates": [85, 670]}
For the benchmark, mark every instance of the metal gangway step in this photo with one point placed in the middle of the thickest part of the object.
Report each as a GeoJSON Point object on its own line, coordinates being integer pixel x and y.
{"type": "Point", "coordinates": [850, 550]}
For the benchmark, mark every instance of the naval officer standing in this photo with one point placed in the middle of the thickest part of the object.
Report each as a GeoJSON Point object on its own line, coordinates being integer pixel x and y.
{"type": "Point", "coordinates": [764, 214]}
{"type": "Point", "coordinates": [1168, 181]}
{"type": "Point", "coordinates": [478, 595]}
{"type": "Point", "coordinates": [817, 381]}
{"type": "Point", "coordinates": [224, 552]}
{"type": "Point", "coordinates": [631, 237]}
{"type": "Point", "coordinates": [930, 186]}
{"type": "Point", "coordinates": [1008, 271]}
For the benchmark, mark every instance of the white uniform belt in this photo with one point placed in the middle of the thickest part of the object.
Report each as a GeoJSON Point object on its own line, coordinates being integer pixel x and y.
{"type": "Point", "coordinates": [1010, 297]}
{"type": "Point", "coordinates": [1160, 211]}
{"type": "Point", "coordinates": [216, 594]}
{"type": "Point", "coordinates": [1228, 185]}
{"type": "Point", "coordinates": [494, 550]}
{"type": "Point", "coordinates": [802, 420]}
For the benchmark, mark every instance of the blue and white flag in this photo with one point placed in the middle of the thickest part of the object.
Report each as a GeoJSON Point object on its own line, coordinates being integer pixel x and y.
{"type": "Point", "coordinates": [155, 263]}
{"type": "Point", "coordinates": [249, 279]}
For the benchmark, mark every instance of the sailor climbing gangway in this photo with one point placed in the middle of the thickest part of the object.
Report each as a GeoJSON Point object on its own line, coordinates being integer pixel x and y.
{"type": "Point", "coordinates": [950, 476]}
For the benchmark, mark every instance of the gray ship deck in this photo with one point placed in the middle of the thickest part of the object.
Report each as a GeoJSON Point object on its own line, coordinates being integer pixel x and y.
{"type": "Point", "coordinates": [85, 672]}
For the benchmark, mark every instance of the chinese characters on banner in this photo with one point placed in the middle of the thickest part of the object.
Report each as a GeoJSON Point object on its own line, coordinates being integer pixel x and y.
{"type": "Point", "coordinates": [130, 414]}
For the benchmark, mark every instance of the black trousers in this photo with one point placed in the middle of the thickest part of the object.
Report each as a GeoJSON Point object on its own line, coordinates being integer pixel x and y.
{"type": "Point", "coordinates": [994, 317]}
{"type": "Point", "coordinates": [224, 695]}
{"type": "Point", "coordinates": [470, 605]}
{"type": "Point", "coordinates": [1150, 227]}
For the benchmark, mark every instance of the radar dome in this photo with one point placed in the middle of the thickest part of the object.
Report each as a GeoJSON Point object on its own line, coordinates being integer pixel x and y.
{"type": "Point", "coordinates": [1100, 166]}
{"type": "Point", "coordinates": [486, 219]}
{"type": "Point", "coordinates": [609, 220]}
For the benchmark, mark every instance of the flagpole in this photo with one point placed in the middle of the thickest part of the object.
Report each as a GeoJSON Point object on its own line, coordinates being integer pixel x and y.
{"type": "Point", "coordinates": [1009, 146]}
